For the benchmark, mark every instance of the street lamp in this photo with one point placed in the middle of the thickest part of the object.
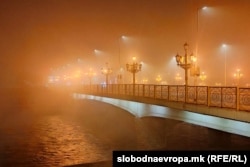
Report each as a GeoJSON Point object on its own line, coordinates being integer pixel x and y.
{"type": "Point", "coordinates": [197, 26]}
{"type": "Point", "coordinates": [224, 46]}
{"type": "Point", "coordinates": [144, 81]}
{"type": "Point", "coordinates": [195, 70]}
{"type": "Point", "coordinates": [198, 15]}
{"type": "Point", "coordinates": [178, 78]}
{"type": "Point", "coordinates": [119, 77]}
{"type": "Point", "coordinates": [237, 76]}
{"type": "Point", "coordinates": [90, 74]}
{"type": "Point", "coordinates": [158, 79]}
{"type": "Point", "coordinates": [134, 68]}
{"type": "Point", "coordinates": [203, 77]}
{"type": "Point", "coordinates": [185, 63]}
{"type": "Point", "coordinates": [106, 71]}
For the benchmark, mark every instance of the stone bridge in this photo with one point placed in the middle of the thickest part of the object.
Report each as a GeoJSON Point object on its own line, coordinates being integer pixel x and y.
{"type": "Point", "coordinates": [228, 120]}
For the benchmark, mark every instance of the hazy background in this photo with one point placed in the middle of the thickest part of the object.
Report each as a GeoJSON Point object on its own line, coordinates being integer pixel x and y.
{"type": "Point", "coordinates": [39, 35]}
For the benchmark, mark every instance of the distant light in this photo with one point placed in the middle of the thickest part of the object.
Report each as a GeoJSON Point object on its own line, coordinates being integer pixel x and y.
{"type": "Point", "coordinates": [204, 8]}
{"type": "Point", "coordinates": [224, 45]}
{"type": "Point", "coordinates": [97, 52]}
{"type": "Point", "coordinates": [125, 38]}
{"type": "Point", "coordinates": [78, 60]}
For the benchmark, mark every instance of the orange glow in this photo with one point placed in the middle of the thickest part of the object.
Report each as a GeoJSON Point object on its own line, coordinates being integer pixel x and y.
{"type": "Point", "coordinates": [51, 37]}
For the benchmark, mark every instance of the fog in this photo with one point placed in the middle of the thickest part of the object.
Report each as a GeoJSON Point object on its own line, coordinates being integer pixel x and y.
{"type": "Point", "coordinates": [38, 37]}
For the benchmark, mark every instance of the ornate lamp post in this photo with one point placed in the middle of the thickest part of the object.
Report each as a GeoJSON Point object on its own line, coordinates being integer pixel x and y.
{"type": "Point", "coordinates": [106, 71]}
{"type": "Point", "coordinates": [178, 78]}
{"type": "Point", "coordinates": [134, 68]}
{"type": "Point", "coordinates": [144, 81]}
{"type": "Point", "coordinates": [195, 70]}
{"type": "Point", "coordinates": [237, 76]}
{"type": "Point", "coordinates": [185, 63]}
{"type": "Point", "coordinates": [90, 74]}
{"type": "Point", "coordinates": [158, 79]}
{"type": "Point", "coordinates": [203, 77]}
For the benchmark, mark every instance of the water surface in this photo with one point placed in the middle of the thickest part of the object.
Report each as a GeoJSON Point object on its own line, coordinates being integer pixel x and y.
{"type": "Point", "coordinates": [40, 127]}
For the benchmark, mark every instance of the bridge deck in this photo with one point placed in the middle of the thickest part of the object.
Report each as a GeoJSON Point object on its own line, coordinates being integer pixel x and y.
{"type": "Point", "coordinates": [181, 111]}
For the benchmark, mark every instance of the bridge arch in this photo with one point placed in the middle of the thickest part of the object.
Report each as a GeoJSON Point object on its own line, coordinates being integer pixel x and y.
{"type": "Point", "coordinates": [150, 110]}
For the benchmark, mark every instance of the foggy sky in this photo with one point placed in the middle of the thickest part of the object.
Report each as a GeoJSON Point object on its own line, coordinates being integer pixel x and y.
{"type": "Point", "coordinates": [37, 35]}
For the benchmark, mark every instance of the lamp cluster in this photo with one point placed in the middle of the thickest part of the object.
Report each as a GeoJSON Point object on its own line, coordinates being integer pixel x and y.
{"type": "Point", "coordinates": [186, 62]}
{"type": "Point", "coordinates": [134, 68]}
{"type": "Point", "coordinates": [106, 71]}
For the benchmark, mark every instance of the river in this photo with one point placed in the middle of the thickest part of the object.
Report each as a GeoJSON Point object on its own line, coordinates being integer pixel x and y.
{"type": "Point", "coordinates": [40, 127]}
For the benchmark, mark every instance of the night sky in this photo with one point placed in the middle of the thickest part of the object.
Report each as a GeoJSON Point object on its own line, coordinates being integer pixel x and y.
{"type": "Point", "coordinates": [39, 35]}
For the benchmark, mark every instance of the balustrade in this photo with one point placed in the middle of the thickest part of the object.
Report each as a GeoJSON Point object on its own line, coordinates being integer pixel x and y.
{"type": "Point", "coordinates": [213, 96]}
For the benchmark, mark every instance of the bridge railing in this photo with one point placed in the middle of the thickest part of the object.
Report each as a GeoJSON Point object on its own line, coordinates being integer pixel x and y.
{"type": "Point", "coordinates": [224, 97]}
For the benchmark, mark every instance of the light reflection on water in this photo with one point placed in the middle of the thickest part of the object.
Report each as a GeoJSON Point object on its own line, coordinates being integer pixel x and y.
{"type": "Point", "coordinates": [66, 132]}
{"type": "Point", "coordinates": [67, 144]}
{"type": "Point", "coordinates": [50, 141]}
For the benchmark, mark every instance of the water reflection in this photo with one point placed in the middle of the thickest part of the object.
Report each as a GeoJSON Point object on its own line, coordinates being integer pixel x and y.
{"type": "Point", "coordinates": [54, 130]}
{"type": "Point", "coordinates": [49, 141]}
{"type": "Point", "coordinates": [39, 134]}
{"type": "Point", "coordinates": [66, 143]}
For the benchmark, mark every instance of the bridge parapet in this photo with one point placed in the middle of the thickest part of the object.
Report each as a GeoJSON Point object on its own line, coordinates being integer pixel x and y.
{"type": "Point", "coordinates": [212, 96]}
{"type": "Point", "coordinates": [147, 108]}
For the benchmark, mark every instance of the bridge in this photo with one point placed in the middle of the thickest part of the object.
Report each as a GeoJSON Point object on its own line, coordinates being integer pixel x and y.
{"type": "Point", "coordinates": [221, 108]}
